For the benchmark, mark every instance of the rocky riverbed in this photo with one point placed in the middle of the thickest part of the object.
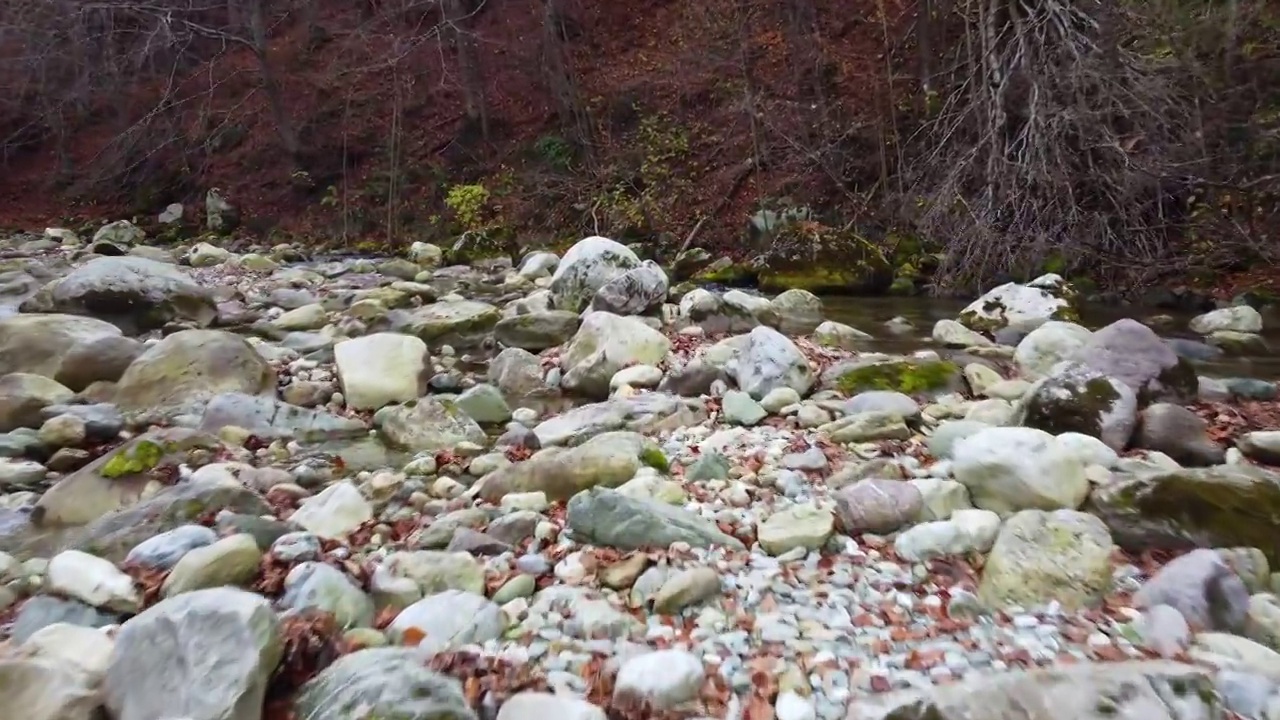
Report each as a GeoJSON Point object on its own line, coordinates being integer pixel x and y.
{"type": "Point", "coordinates": [251, 485]}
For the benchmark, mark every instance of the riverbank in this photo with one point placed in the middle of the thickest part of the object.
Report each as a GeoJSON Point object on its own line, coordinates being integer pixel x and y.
{"type": "Point", "coordinates": [385, 475]}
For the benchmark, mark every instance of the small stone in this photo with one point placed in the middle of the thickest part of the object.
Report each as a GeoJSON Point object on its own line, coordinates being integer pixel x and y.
{"type": "Point", "coordinates": [92, 580]}
{"type": "Point", "coordinates": [665, 678]}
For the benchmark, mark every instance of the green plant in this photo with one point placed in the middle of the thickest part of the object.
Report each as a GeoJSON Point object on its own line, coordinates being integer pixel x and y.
{"type": "Point", "coordinates": [555, 151]}
{"type": "Point", "coordinates": [469, 205]}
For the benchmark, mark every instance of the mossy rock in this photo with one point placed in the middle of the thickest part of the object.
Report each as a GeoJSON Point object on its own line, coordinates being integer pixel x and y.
{"type": "Point", "coordinates": [479, 245]}
{"type": "Point", "coordinates": [1083, 401]}
{"type": "Point", "coordinates": [143, 456]}
{"type": "Point", "coordinates": [820, 259]}
{"type": "Point", "coordinates": [1221, 506]}
{"type": "Point", "coordinates": [725, 272]}
{"type": "Point", "coordinates": [911, 377]}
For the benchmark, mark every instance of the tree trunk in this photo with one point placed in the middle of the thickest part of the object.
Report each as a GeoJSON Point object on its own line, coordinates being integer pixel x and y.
{"type": "Point", "coordinates": [256, 13]}
{"type": "Point", "coordinates": [472, 82]}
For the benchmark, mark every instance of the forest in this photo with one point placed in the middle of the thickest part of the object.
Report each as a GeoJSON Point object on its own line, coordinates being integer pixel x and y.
{"type": "Point", "coordinates": [837, 145]}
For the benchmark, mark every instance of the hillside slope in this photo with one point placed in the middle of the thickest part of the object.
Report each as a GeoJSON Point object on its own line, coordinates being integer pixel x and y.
{"type": "Point", "coordinates": [676, 100]}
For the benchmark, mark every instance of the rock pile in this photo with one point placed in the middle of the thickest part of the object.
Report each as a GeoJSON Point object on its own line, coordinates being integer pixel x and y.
{"type": "Point", "coordinates": [238, 485]}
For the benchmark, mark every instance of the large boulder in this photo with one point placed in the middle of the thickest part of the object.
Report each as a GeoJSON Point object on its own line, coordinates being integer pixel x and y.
{"type": "Point", "coordinates": [768, 361]}
{"type": "Point", "coordinates": [633, 292]}
{"type": "Point", "coordinates": [1076, 398]}
{"type": "Point", "coordinates": [1048, 297]}
{"type": "Point", "coordinates": [1132, 353]}
{"type": "Point", "coordinates": [585, 268]}
{"type": "Point", "coordinates": [133, 293]}
{"type": "Point", "coordinates": [1041, 557]}
{"type": "Point", "coordinates": [605, 344]}
{"type": "Point", "coordinates": [1238, 318]}
{"type": "Point", "coordinates": [1221, 506]}
{"type": "Point", "coordinates": [202, 655]}
{"type": "Point", "coordinates": [381, 369]}
{"type": "Point", "coordinates": [1008, 469]}
{"type": "Point", "coordinates": [1179, 433]}
{"type": "Point", "coordinates": [38, 343]}
{"type": "Point", "coordinates": [606, 460]}
{"type": "Point", "coordinates": [120, 477]}
{"type": "Point", "coordinates": [190, 367]}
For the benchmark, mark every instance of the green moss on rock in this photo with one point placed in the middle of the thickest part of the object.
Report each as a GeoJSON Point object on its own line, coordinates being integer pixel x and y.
{"type": "Point", "coordinates": [1081, 410]}
{"type": "Point", "coordinates": [143, 456]}
{"type": "Point", "coordinates": [904, 376]}
{"type": "Point", "coordinates": [654, 458]}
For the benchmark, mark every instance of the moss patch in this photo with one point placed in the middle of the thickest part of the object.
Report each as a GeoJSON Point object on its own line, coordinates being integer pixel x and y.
{"type": "Point", "coordinates": [1081, 411]}
{"type": "Point", "coordinates": [143, 456]}
{"type": "Point", "coordinates": [902, 376]}
{"type": "Point", "coordinates": [654, 458]}
{"type": "Point", "coordinates": [725, 273]}
{"type": "Point", "coordinates": [820, 279]}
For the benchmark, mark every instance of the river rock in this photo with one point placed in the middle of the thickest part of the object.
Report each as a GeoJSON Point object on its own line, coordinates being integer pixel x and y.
{"type": "Point", "coordinates": [1048, 345]}
{"type": "Point", "coordinates": [325, 588]}
{"type": "Point", "coordinates": [93, 581]}
{"type": "Point", "coordinates": [1261, 445]}
{"type": "Point", "coordinates": [434, 571]}
{"type": "Point", "coordinates": [381, 369]}
{"type": "Point", "coordinates": [430, 425]}
{"type": "Point", "coordinates": [1132, 353]}
{"type": "Point", "coordinates": [1235, 507]}
{"type": "Point", "coordinates": [39, 343]}
{"type": "Point", "coordinates": [663, 678]}
{"type": "Point", "coordinates": [335, 512]}
{"type": "Point", "coordinates": [119, 478]}
{"type": "Point", "coordinates": [880, 506]}
{"type": "Point", "coordinates": [268, 417]}
{"type": "Point", "coordinates": [193, 365]}
{"type": "Point", "coordinates": [164, 551]}
{"type": "Point", "coordinates": [203, 655]}
{"type": "Point", "coordinates": [1040, 557]}
{"type": "Point", "coordinates": [606, 460]}
{"type": "Point", "coordinates": [1048, 297]}
{"type": "Point", "coordinates": [799, 311]}
{"type": "Point", "coordinates": [530, 705]}
{"type": "Point", "coordinates": [1238, 318]}
{"type": "Point", "coordinates": [769, 361]}
{"type": "Point", "coordinates": [537, 331]}
{"type": "Point", "coordinates": [24, 396]}
{"type": "Point", "coordinates": [459, 323]}
{"type": "Point", "coordinates": [1202, 587]}
{"type": "Point", "coordinates": [798, 526]}
{"type": "Point", "coordinates": [133, 293]}
{"type": "Point", "coordinates": [449, 619]}
{"type": "Point", "coordinates": [1075, 398]}
{"type": "Point", "coordinates": [1178, 433]}
{"type": "Point", "coordinates": [609, 518]}
{"type": "Point", "coordinates": [378, 683]}
{"type": "Point", "coordinates": [632, 292]}
{"type": "Point", "coordinates": [100, 358]}
{"type": "Point", "coordinates": [1133, 690]}
{"type": "Point", "coordinates": [1009, 469]}
{"type": "Point", "coordinates": [604, 344]}
{"type": "Point", "coordinates": [232, 561]}
{"type": "Point", "coordinates": [585, 268]}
